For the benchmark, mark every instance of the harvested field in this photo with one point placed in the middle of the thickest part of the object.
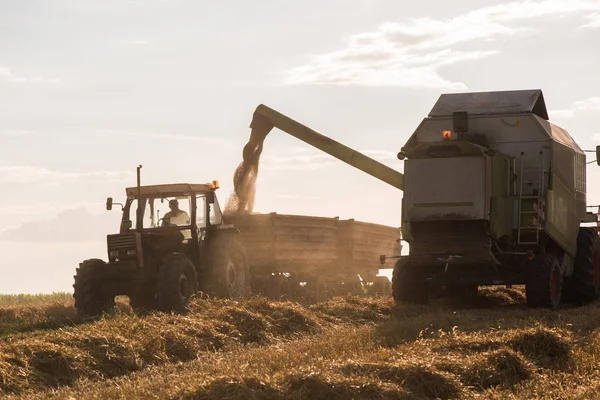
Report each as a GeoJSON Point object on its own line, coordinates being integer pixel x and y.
{"type": "Point", "coordinates": [346, 348]}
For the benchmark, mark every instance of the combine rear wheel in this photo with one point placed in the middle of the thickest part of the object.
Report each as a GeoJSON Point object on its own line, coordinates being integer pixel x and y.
{"type": "Point", "coordinates": [406, 283]}
{"type": "Point", "coordinates": [177, 283]}
{"type": "Point", "coordinates": [584, 285]}
{"type": "Point", "coordinates": [229, 271]}
{"type": "Point", "coordinates": [543, 282]}
{"type": "Point", "coordinates": [90, 299]}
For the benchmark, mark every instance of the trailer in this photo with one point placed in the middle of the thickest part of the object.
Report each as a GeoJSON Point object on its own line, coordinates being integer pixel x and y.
{"type": "Point", "coordinates": [314, 257]}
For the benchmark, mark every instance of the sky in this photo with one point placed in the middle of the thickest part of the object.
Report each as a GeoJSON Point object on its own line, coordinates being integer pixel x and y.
{"type": "Point", "coordinates": [91, 89]}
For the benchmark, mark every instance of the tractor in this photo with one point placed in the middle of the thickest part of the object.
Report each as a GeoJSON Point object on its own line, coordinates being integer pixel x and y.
{"type": "Point", "coordinates": [173, 244]}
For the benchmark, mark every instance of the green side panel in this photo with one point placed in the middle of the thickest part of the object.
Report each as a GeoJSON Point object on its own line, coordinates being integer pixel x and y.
{"type": "Point", "coordinates": [500, 176]}
{"type": "Point", "coordinates": [562, 219]}
{"type": "Point", "coordinates": [502, 213]}
{"type": "Point", "coordinates": [502, 205]}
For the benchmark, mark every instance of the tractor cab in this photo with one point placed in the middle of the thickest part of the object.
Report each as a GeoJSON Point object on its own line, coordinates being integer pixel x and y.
{"type": "Point", "coordinates": [161, 219]}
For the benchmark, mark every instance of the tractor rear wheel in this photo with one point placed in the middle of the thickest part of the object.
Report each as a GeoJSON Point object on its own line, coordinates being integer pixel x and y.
{"type": "Point", "coordinates": [584, 285]}
{"type": "Point", "coordinates": [229, 271]}
{"type": "Point", "coordinates": [90, 299]}
{"type": "Point", "coordinates": [406, 285]}
{"type": "Point", "coordinates": [543, 282]}
{"type": "Point", "coordinates": [177, 283]}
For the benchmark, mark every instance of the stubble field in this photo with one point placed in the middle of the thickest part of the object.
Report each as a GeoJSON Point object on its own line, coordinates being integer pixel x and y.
{"type": "Point", "coordinates": [490, 347]}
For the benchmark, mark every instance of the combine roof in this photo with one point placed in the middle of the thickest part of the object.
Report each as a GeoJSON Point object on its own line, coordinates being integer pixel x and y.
{"type": "Point", "coordinates": [487, 103]}
{"type": "Point", "coordinates": [169, 189]}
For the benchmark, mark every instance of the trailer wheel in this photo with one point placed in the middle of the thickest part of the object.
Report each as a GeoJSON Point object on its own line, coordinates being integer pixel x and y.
{"type": "Point", "coordinates": [406, 285]}
{"type": "Point", "coordinates": [316, 290]}
{"type": "Point", "coordinates": [177, 283]}
{"type": "Point", "coordinates": [229, 271]}
{"type": "Point", "coordinates": [584, 285]}
{"type": "Point", "coordinates": [381, 286]}
{"type": "Point", "coordinates": [90, 299]}
{"type": "Point", "coordinates": [543, 282]}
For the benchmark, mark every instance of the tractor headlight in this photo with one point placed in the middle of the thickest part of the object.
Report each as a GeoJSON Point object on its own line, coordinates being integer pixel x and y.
{"type": "Point", "coordinates": [131, 253]}
{"type": "Point", "coordinates": [114, 254]}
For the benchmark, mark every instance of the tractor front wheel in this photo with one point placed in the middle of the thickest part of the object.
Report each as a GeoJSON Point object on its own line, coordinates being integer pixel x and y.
{"type": "Point", "coordinates": [90, 298]}
{"type": "Point", "coordinates": [543, 282]}
{"type": "Point", "coordinates": [177, 283]}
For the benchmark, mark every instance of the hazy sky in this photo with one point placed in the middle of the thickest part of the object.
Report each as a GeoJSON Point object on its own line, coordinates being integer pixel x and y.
{"type": "Point", "coordinates": [91, 89]}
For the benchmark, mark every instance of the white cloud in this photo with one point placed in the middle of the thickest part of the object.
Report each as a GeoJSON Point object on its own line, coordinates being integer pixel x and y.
{"type": "Point", "coordinates": [156, 135]}
{"type": "Point", "coordinates": [565, 113]}
{"type": "Point", "coordinates": [593, 103]}
{"type": "Point", "coordinates": [317, 160]}
{"type": "Point", "coordinates": [593, 21]}
{"type": "Point", "coordinates": [297, 163]}
{"type": "Point", "coordinates": [411, 54]}
{"type": "Point", "coordinates": [6, 75]}
{"type": "Point", "coordinates": [75, 225]}
{"type": "Point", "coordinates": [14, 132]}
{"type": "Point", "coordinates": [22, 174]}
{"type": "Point", "coordinates": [138, 42]}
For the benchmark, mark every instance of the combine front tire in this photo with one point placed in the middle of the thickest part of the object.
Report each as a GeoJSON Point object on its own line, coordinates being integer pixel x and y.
{"type": "Point", "coordinates": [229, 270]}
{"type": "Point", "coordinates": [177, 283]}
{"type": "Point", "coordinates": [543, 280]}
{"type": "Point", "coordinates": [584, 285]}
{"type": "Point", "coordinates": [90, 299]}
{"type": "Point", "coordinates": [406, 285]}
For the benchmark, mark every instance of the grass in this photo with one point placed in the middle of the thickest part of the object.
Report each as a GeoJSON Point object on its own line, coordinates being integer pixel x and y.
{"type": "Point", "coordinates": [347, 348]}
{"type": "Point", "coordinates": [34, 299]}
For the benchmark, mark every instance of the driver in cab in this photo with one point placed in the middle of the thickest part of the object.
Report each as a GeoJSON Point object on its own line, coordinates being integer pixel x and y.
{"type": "Point", "coordinates": [175, 217]}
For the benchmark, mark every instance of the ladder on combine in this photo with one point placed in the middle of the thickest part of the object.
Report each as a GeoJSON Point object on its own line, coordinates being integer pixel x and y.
{"type": "Point", "coordinates": [531, 201]}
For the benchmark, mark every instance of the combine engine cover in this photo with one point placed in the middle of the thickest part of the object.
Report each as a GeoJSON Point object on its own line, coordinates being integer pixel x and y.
{"type": "Point", "coordinates": [488, 168]}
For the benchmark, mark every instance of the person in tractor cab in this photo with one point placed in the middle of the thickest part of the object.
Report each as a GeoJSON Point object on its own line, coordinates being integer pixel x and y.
{"type": "Point", "coordinates": [175, 217]}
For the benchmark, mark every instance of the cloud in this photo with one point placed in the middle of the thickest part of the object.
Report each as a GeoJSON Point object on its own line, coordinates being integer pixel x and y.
{"type": "Point", "coordinates": [14, 132]}
{"type": "Point", "coordinates": [6, 75]}
{"type": "Point", "coordinates": [297, 163]}
{"type": "Point", "coordinates": [594, 21]}
{"type": "Point", "coordinates": [76, 225]}
{"type": "Point", "coordinates": [316, 160]}
{"type": "Point", "coordinates": [23, 174]}
{"type": "Point", "coordinates": [156, 135]}
{"type": "Point", "coordinates": [565, 113]}
{"type": "Point", "coordinates": [138, 42]}
{"type": "Point", "coordinates": [593, 103]}
{"type": "Point", "coordinates": [411, 54]}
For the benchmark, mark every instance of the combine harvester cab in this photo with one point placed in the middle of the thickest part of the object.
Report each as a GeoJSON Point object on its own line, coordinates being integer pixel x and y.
{"type": "Point", "coordinates": [495, 194]}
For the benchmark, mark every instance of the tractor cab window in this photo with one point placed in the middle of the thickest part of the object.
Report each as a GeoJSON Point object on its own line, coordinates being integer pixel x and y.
{"type": "Point", "coordinates": [215, 213]}
{"type": "Point", "coordinates": [161, 212]}
{"type": "Point", "coordinates": [201, 211]}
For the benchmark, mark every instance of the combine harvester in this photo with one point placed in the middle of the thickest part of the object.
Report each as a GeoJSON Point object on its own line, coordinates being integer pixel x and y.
{"type": "Point", "coordinates": [494, 194]}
